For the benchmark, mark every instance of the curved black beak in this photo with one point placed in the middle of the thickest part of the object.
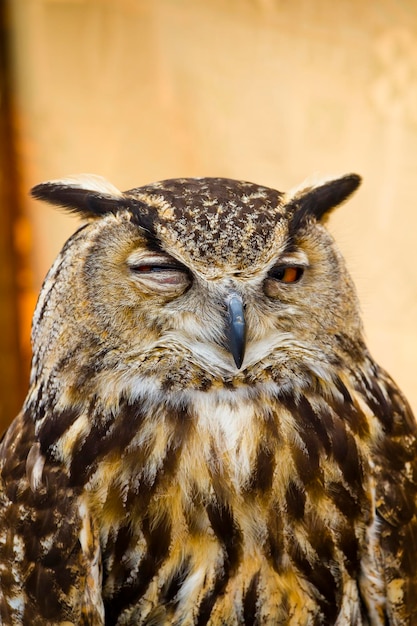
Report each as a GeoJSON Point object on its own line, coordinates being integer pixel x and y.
{"type": "Point", "coordinates": [236, 328]}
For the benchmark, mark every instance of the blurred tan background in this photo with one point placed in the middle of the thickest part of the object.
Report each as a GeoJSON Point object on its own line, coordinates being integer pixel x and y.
{"type": "Point", "coordinates": [264, 90]}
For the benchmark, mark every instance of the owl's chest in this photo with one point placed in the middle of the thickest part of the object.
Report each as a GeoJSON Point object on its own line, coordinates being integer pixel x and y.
{"type": "Point", "coordinates": [220, 497]}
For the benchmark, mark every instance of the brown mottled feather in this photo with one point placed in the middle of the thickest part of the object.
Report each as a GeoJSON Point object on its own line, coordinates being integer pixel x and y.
{"type": "Point", "coordinates": [149, 480]}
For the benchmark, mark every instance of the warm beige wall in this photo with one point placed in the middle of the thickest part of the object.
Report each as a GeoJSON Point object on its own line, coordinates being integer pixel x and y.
{"type": "Point", "coordinates": [265, 90]}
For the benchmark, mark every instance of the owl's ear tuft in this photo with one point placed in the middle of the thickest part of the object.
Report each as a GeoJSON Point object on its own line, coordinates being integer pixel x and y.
{"type": "Point", "coordinates": [317, 201]}
{"type": "Point", "coordinates": [87, 195]}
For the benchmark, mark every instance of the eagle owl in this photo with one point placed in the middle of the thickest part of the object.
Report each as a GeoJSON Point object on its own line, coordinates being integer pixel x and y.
{"type": "Point", "coordinates": [206, 439]}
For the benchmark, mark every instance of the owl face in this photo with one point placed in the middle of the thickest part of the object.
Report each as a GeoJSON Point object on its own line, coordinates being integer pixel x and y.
{"type": "Point", "coordinates": [211, 279]}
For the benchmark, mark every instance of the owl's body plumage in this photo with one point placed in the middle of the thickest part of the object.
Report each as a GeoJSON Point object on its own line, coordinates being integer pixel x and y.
{"type": "Point", "coordinates": [206, 439]}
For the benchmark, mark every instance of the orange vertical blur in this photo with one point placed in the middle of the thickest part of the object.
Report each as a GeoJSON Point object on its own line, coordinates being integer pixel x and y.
{"type": "Point", "coordinates": [13, 282]}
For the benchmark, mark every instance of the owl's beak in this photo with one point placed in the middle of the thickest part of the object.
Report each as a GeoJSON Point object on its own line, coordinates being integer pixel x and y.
{"type": "Point", "coordinates": [236, 328]}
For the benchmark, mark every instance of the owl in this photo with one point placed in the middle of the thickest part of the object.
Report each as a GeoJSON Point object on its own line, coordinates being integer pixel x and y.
{"type": "Point", "coordinates": [206, 439]}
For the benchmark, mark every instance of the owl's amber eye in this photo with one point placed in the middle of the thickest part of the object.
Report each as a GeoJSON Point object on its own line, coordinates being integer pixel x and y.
{"type": "Point", "coordinates": [286, 274]}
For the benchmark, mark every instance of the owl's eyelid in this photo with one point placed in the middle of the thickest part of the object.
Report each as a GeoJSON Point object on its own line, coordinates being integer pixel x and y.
{"type": "Point", "coordinates": [149, 268]}
{"type": "Point", "coordinates": [158, 261]}
{"type": "Point", "coordinates": [285, 264]}
{"type": "Point", "coordinates": [298, 259]}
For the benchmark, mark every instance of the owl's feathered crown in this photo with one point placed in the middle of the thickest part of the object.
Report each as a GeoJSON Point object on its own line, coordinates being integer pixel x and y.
{"type": "Point", "coordinates": [92, 196]}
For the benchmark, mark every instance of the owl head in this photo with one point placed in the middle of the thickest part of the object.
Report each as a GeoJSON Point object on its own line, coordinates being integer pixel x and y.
{"type": "Point", "coordinates": [191, 283]}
